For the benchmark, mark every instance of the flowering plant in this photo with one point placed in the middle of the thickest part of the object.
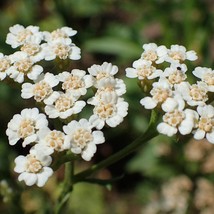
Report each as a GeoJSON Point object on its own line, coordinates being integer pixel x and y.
{"type": "Point", "coordinates": [56, 131]}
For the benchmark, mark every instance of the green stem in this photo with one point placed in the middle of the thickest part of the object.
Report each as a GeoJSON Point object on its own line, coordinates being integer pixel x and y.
{"type": "Point", "coordinates": [67, 187]}
{"type": "Point", "coordinates": [148, 135]}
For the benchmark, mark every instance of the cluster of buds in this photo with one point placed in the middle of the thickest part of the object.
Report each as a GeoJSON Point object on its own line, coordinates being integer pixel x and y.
{"type": "Point", "coordinates": [186, 108]}
{"type": "Point", "coordinates": [60, 97]}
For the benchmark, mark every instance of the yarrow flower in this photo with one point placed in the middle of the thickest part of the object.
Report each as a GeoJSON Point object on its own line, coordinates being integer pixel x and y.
{"type": "Point", "coordinates": [63, 105]}
{"type": "Point", "coordinates": [143, 70]}
{"type": "Point", "coordinates": [41, 89]}
{"type": "Point", "coordinates": [60, 33]}
{"type": "Point", "coordinates": [83, 140]}
{"type": "Point", "coordinates": [5, 64]}
{"type": "Point", "coordinates": [62, 49]}
{"type": "Point", "coordinates": [184, 106]}
{"type": "Point", "coordinates": [20, 35]}
{"type": "Point", "coordinates": [60, 95]}
{"type": "Point", "coordinates": [76, 82]}
{"type": "Point", "coordinates": [154, 53]}
{"type": "Point", "coordinates": [102, 71]}
{"type": "Point", "coordinates": [33, 168]}
{"type": "Point", "coordinates": [178, 53]}
{"type": "Point", "coordinates": [206, 75]}
{"type": "Point", "coordinates": [50, 141]}
{"type": "Point", "coordinates": [110, 110]}
{"type": "Point", "coordinates": [205, 123]}
{"type": "Point", "coordinates": [23, 66]}
{"type": "Point", "coordinates": [25, 126]}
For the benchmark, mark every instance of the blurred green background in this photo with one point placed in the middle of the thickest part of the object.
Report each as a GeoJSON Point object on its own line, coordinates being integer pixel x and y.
{"type": "Point", "coordinates": [172, 176]}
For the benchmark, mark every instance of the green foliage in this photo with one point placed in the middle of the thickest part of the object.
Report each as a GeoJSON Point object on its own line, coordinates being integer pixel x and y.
{"type": "Point", "coordinates": [114, 30]}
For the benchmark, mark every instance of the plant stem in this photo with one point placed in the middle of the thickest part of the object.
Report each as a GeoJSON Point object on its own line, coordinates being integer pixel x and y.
{"type": "Point", "coordinates": [148, 135]}
{"type": "Point", "coordinates": [67, 186]}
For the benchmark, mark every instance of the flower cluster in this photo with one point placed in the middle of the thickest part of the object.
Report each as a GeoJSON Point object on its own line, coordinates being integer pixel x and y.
{"type": "Point", "coordinates": [185, 107]}
{"type": "Point", "coordinates": [60, 97]}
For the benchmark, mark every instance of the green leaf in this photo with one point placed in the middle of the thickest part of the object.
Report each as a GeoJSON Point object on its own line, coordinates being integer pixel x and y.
{"type": "Point", "coordinates": [114, 45]}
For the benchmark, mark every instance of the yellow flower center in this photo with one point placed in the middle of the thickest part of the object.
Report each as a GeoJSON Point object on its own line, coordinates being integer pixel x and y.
{"type": "Point", "coordinates": [62, 51]}
{"type": "Point", "coordinates": [4, 64]}
{"type": "Point", "coordinates": [177, 55]}
{"type": "Point", "coordinates": [55, 139]}
{"type": "Point", "coordinates": [81, 137]}
{"type": "Point", "coordinates": [209, 79]}
{"type": "Point", "coordinates": [206, 124]}
{"type": "Point", "coordinates": [149, 55]}
{"type": "Point", "coordinates": [31, 49]}
{"type": "Point", "coordinates": [145, 71]}
{"type": "Point", "coordinates": [22, 35]}
{"type": "Point", "coordinates": [26, 128]}
{"type": "Point", "coordinates": [174, 118]}
{"type": "Point", "coordinates": [177, 77]}
{"type": "Point", "coordinates": [33, 165]}
{"type": "Point", "coordinates": [58, 34]}
{"type": "Point", "coordinates": [41, 91]}
{"type": "Point", "coordinates": [104, 111]}
{"type": "Point", "coordinates": [160, 94]}
{"type": "Point", "coordinates": [63, 103]}
{"type": "Point", "coordinates": [72, 82]}
{"type": "Point", "coordinates": [23, 65]}
{"type": "Point", "coordinates": [198, 93]}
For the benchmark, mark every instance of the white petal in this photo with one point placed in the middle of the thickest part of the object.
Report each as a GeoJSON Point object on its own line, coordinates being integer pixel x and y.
{"type": "Point", "coordinates": [148, 103]}
{"type": "Point", "coordinates": [166, 129]}
{"type": "Point", "coordinates": [199, 134]}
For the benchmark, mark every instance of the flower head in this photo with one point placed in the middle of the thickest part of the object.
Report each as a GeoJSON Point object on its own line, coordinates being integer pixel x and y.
{"type": "Point", "coordinates": [5, 64]}
{"type": "Point", "coordinates": [63, 105]}
{"type": "Point", "coordinates": [154, 53]}
{"type": "Point", "coordinates": [83, 140]}
{"type": "Point", "coordinates": [23, 66]}
{"type": "Point", "coordinates": [41, 89]}
{"type": "Point", "coordinates": [143, 69]}
{"type": "Point", "coordinates": [61, 49]}
{"type": "Point", "coordinates": [76, 82]}
{"type": "Point", "coordinates": [20, 35]}
{"type": "Point", "coordinates": [205, 124]}
{"type": "Point", "coordinates": [109, 109]}
{"type": "Point", "coordinates": [25, 126]}
{"type": "Point", "coordinates": [206, 75]}
{"type": "Point", "coordinates": [33, 168]}
{"type": "Point", "coordinates": [178, 53]}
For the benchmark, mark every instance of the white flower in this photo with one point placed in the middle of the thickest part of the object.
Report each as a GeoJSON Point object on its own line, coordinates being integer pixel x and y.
{"type": "Point", "coordinates": [76, 82]}
{"type": "Point", "coordinates": [178, 53]}
{"type": "Point", "coordinates": [35, 51]}
{"type": "Point", "coordinates": [83, 140]}
{"type": "Point", "coordinates": [61, 49]}
{"type": "Point", "coordinates": [104, 70]}
{"type": "Point", "coordinates": [60, 33]}
{"type": "Point", "coordinates": [63, 105]}
{"type": "Point", "coordinates": [23, 66]}
{"type": "Point", "coordinates": [154, 53]}
{"type": "Point", "coordinates": [33, 168]}
{"type": "Point", "coordinates": [5, 64]}
{"type": "Point", "coordinates": [206, 75]}
{"type": "Point", "coordinates": [195, 94]}
{"type": "Point", "coordinates": [143, 70]}
{"type": "Point", "coordinates": [177, 120]}
{"type": "Point", "coordinates": [205, 126]}
{"type": "Point", "coordinates": [111, 84]}
{"type": "Point", "coordinates": [41, 89]}
{"type": "Point", "coordinates": [110, 109]}
{"type": "Point", "coordinates": [20, 35]}
{"type": "Point", "coordinates": [24, 126]}
{"type": "Point", "coordinates": [161, 92]}
{"type": "Point", "coordinates": [51, 140]}
{"type": "Point", "coordinates": [175, 74]}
